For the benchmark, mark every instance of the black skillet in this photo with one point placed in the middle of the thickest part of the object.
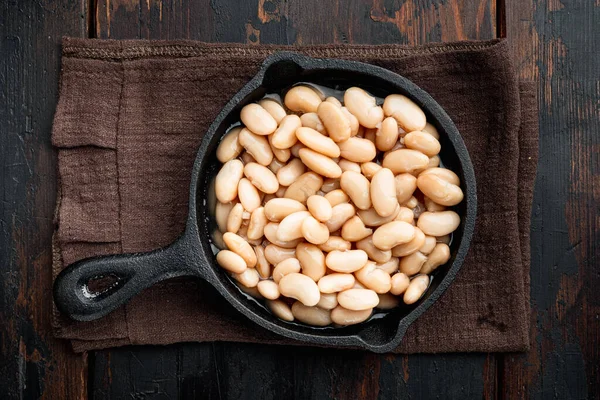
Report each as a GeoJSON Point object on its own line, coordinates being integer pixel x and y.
{"type": "Point", "coordinates": [191, 254]}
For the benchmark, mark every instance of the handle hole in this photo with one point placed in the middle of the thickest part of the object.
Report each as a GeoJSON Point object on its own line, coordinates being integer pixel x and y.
{"type": "Point", "coordinates": [100, 284]}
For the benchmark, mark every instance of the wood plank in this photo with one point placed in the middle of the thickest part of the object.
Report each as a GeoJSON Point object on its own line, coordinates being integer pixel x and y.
{"type": "Point", "coordinates": [230, 370]}
{"type": "Point", "coordinates": [32, 363]}
{"type": "Point", "coordinates": [556, 43]}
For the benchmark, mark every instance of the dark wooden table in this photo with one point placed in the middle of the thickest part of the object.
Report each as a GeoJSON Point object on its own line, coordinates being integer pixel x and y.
{"type": "Point", "coordinates": [554, 41]}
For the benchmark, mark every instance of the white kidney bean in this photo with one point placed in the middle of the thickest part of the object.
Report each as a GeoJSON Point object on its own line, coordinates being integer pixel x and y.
{"type": "Point", "coordinates": [281, 155]}
{"type": "Point", "coordinates": [257, 146]}
{"type": "Point", "coordinates": [439, 256]}
{"type": "Point", "coordinates": [249, 278]}
{"type": "Point", "coordinates": [344, 317]}
{"type": "Point", "coordinates": [358, 150]}
{"type": "Point", "coordinates": [357, 187]}
{"type": "Point", "coordinates": [305, 186]}
{"type": "Point", "coordinates": [429, 128]}
{"type": "Point", "coordinates": [353, 121]}
{"type": "Point", "coordinates": [314, 231]}
{"type": "Point", "coordinates": [276, 254]}
{"type": "Point", "coordinates": [408, 248]}
{"type": "Point", "coordinates": [410, 117]}
{"type": "Point", "coordinates": [271, 235]}
{"type": "Point", "coordinates": [280, 310]}
{"type": "Point", "coordinates": [274, 108]}
{"type": "Point", "coordinates": [248, 195]}
{"type": "Point", "coordinates": [400, 282]}
{"type": "Point", "coordinates": [387, 301]}
{"type": "Point", "coordinates": [312, 120]}
{"type": "Point", "coordinates": [335, 243]}
{"type": "Point", "coordinates": [290, 227]}
{"type": "Point", "coordinates": [285, 267]}
{"type": "Point", "coordinates": [328, 301]}
{"type": "Point", "coordinates": [318, 142]}
{"type": "Point", "coordinates": [314, 316]}
{"type": "Point", "coordinates": [227, 180]}
{"type": "Point", "coordinates": [373, 252]}
{"type": "Point", "coordinates": [416, 289]}
{"type": "Point", "coordinates": [383, 192]}
{"type": "Point", "coordinates": [256, 226]}
{"type": "Point", "coordinates": [390, 266]}
{"type": "Point", "coordinates": [278, 209]}
{"type": "Point", "coordinates": [303, 99]}
{"type": "Point", "coordinates": [387, 134]}
{"type": "Point", "coordinates": [405, 160]}
{"type": "Point", "coordinates": [222, 211]}
{"type": "Point", "coordinates": [290, 172]}
{"type": "Point", "coordinates": [363, 106]}
{"type": "Point", "coordinates": [268, 289]}
{"type": "Point", "coordinates": [423, 142]}
{"type": "Point", "coordinates": [312, 260]}
{"type": "Point", "coordinates": [339, 215]}
{"type": "Point", "coordinates": [346, 261]}
{"type": "Point", "coordinates": [374, 278]}
{"type": "Point", "coordinates": [358, 299]}
{"type": "Point", "coordinates": [354, 229]}
{"type": "Point", "coordinates": [285, 136]}
{"type": "Point", "coordinates": [411, 264]}
{"type": "Point", "coordinates": [333, 100]}
{"type": "Point", "coordinates": [336, 282]}
{"type": "Point", "coordinates": [434, 162]}
{"type": "Point", "coordinates": [262, 265]}
{"type": "Point", "coordinates": [229, 148]}
{"type": "Point", "coordinates": [336, 197]}
{"type": "Point", "coordinates": [438, 223]}
{"type": "Point", "coordinates": [346, 165]}
{"type": "Point", "coordinates": [335, 121]}
{"type": "Point", "coordinates": [319, 207]}
{"type": "Point", "coordinates": [241, 247]}
{"type": "Point", "coordinates": [392, 234]}
{"type": "Point", "coordinates": [234, 220]}
{"type": "Point", "coordinates": [439, 190]}
{"type": "Point", "coordinates": [432, 206]}
{"type": "Point", "coordinates": [231, 261]}
{"type": "Point", "coordinates": [258, 120]}
{"type": "Point", "coordinates": [428, 244]}
{"type": "Point", "coordinates": [443, 173]}
{"type": "Point", "coordinates": [412, 202]}
{"type": "Point", "coordinates": [406, 184]}
{"type": "Point", "coordinates": [301, 288]}
{"type": "Point", "coordinates": [261, 177]}
{"type": "Point", "coordinates": [319, 163]}
{"type": "Point", "coordinates": [246, 157]}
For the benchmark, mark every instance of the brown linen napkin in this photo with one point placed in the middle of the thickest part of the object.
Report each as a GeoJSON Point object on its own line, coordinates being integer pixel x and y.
{"type": "Point", "coordinates": [130, 118]}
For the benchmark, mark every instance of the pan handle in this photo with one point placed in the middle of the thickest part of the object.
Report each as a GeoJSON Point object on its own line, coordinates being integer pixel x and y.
{"type": "Point", "coordinates": [129, 274]}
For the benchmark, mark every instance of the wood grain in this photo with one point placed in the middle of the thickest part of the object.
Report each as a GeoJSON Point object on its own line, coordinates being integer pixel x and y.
{"type": "Point", "coordinates": [556, 43]}
{"type": "Point", "coordinates": [32, 363]}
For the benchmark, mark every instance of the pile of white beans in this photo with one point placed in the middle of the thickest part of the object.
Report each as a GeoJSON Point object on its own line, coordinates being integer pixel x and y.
{"type": "Point", "coordinates": [329, 210]}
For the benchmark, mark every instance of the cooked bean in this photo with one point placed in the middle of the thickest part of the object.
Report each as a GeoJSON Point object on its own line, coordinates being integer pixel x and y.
{"type": "Point", "coordinates": [357, 187]}
{"type": "Point", "coordinates": [317, 142]}
{"type": "Point", "coordinates": [400, 282]}
{"type": "Point", "coordinates": [383, 192]}
{"type": "Point", "coordinates": [256, 226]}
{"type": "Point", "coordinates": [229, 148]}
{"type": "Point", "coordinates": [443, 173]}
{"type": "Point", "coordinates": [354, 125]}
{"type": "Point", "coordinates": [415, 244]}
{"type": "Point", "coordinates": [346, 261]}
{"type": "Point", "coordinates": [364, 106]}
{"type": "Point", "coordinates": [280, 310]}
{"type": "Point", "coordinates": [241, 247]}
{"type": "Point", "coordinates": [276, 165]}
{"type": "Point", "coordinates": [428, 244]}
{"type": "Point", "coordinates": [303, 99]}
{"type": "Point", "coordinates": [438, 223]}
{"type": "Point", "coordinates": [246, 157]}
{"type": "Point", "coordinates": [314, 231]}
{"type": "Point", "coordinates": [290, 172]}
{"type": "Point", "coordinates": [305, 186]}
{"type": "Point", "coordinates": [258, 120]}
{"type": "Point", "coordinates": [227, 180]}
{"type": "Point", "coordinates": [335, 243]}
{"type": "Point", "coordinates": [336, 282]}
{"type": "Point", "coordinates": [301, 288]}
{"type": "Point", "coordinates": [434, 162]}
{"type": "Point", "coordinates": [314, 316]}
{"type": "Point", "coordinates": [354, 229]}
{"type": "Point", "coordinates": [392, 234]}
{"type": "Point", "coordinates": [373, 252]}
{"type": "Point", "coordinates": [339, 215]}
{"type": "Point", "coordinates": [249, 278]}
{"type": "Point", "coordinates": [330, 184]}
{"type": "Point", "coordinates": [369, 169]}
{"type": "Point", "coordinates": [412, 202]}
{"type": "Point", "coordinates": [336, 197]}
{"type": "Point", "coordinates": [374, 278]}
{"type": "Point", "coordinates": [406, 184]}
{"type": "Point", "coordinates": [387, 134]}
{"type": "Point", "coordinates": [257, 146]}
{"type": "Point", "coordinates": [333, 100]}
{"type": "Point", "coordinates": [358, 299]}
{"type": "Point", "coordinates": [276, 254]}
{"type": "Point", "coordinates": [405, 160]}
{"type": "Point", "coordinates": [234, 220]}
{"type": "Point", "coordinates": [285, 267]}
{"type": "Point", "coordinates": [278, 209]}
{"type": "Point", "coordinates": [270, 233]}
{"type": "Point", "coordinates": [282, 155]}
{"type": "Point", "coordinates": [416, 289]}
{"type": "Point", "coordinates": [343, 316]}
{"type": "Point", "coordinates": [319, 163]}
{"type": "Point", "coordinates": [312, 120]}
{"type": "Point", "coordinates": [387, 301]}
{"type": "Point", "coordinates": [248, 195]}
{"type": "Point", "coordinates": [290, 227]}
{"type": "Point", "coordinates": [285, 136]}
{"type": "Point", "coordinates": [231, 261]}
{"type": "Point", "coordinates": [335, 121]}
{"type": "Point", "coordinates": [429, 128]}
{"type": "Point", "coordinates": [390, 266]}
{"type": "Point", "coordinates": [371, 218]}
{"type": "Point", "coordinates": [222, 211]}
{"type": "Point", "coordinates": [439, 190]}
{"type": "Point", "coordinates": [312, 260]}
{"type": "Point", "coordinates": [358, 150]}
{"type": "Point", "coordinates": [319, 207]}
{"type": "Point", "coordinates": [274, 108]}
{"type": "Point", "coordinates": [432, 206]}
{"type": "Point", "coordinates": [423, 142]}
{"type": "Point", "coordinates": [346, 165]}
{"type": "Point", "coordinates": [439, 256]}
{"type": "Point", "coordinates": [410, 117]}
{"type": "Point", "coordinates": [262, 265]}
{"type": "Point", "coordinates": [268, 289]}
{"type": "Point", "coordinates": [261, 177]}
{"type": "Point", "coordinates": [328, 301]}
